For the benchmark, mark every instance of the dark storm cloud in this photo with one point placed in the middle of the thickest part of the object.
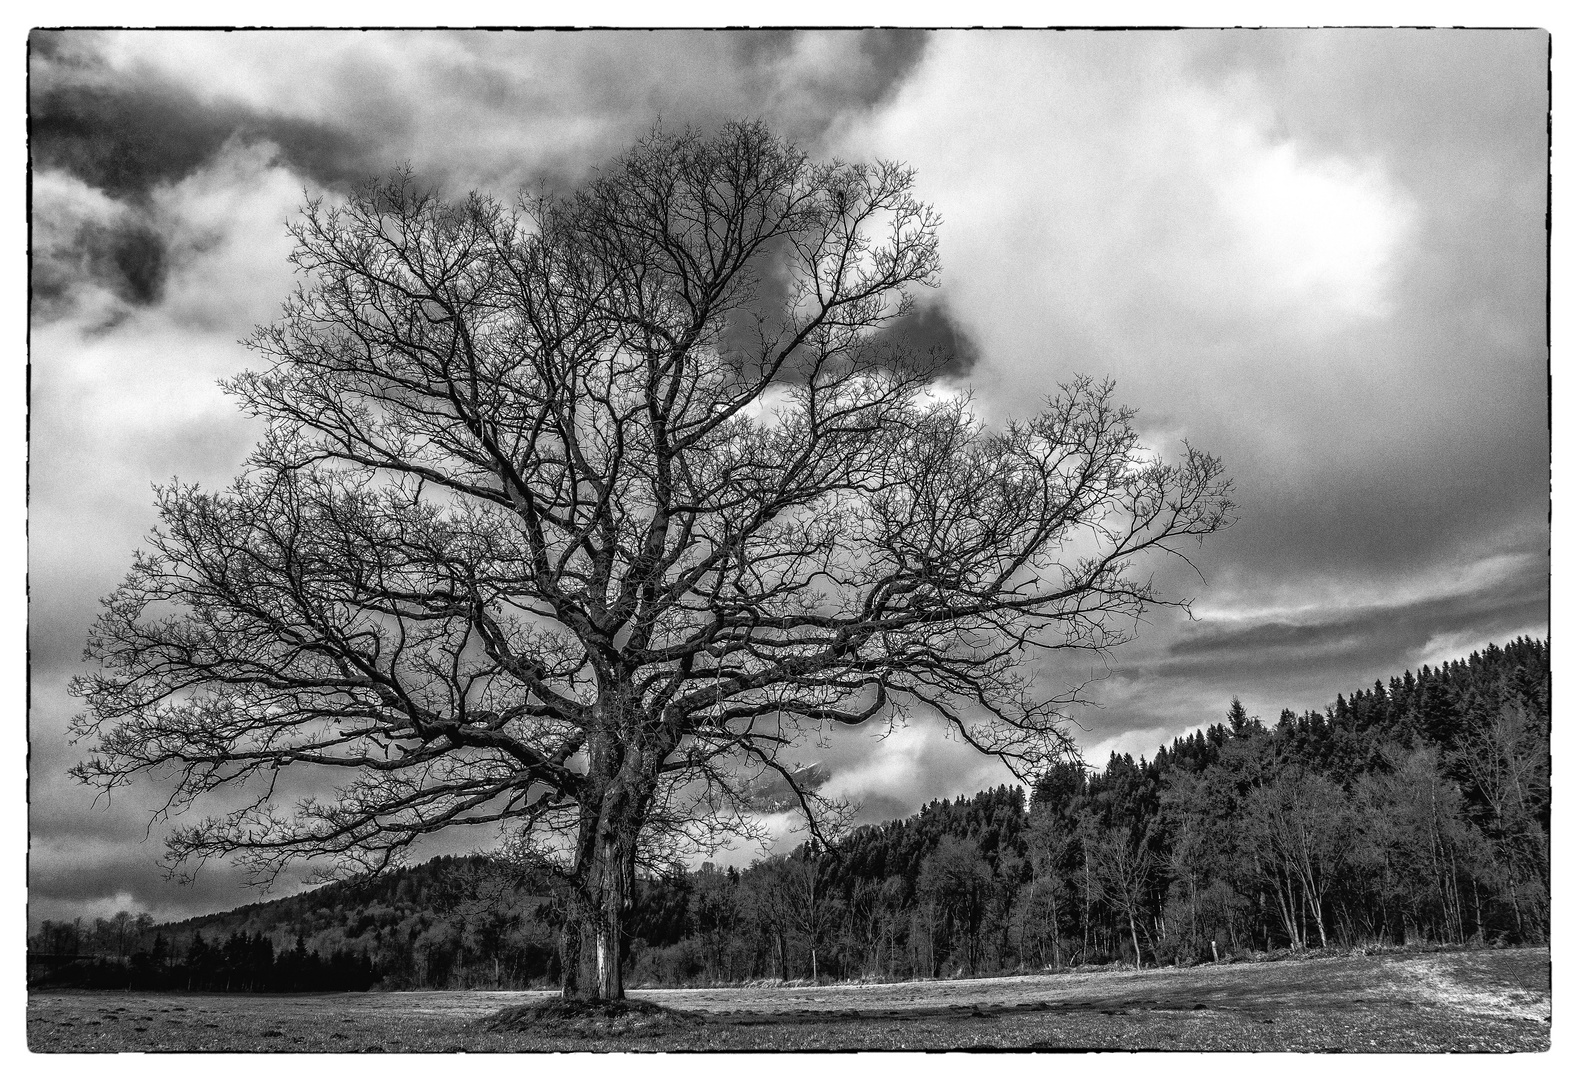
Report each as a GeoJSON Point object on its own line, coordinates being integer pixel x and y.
{"type": "Point", "coordinates": [890, 56]}
{"type": "Point", "coordinates": [880, 806]}
{"type": "Point", "coordinates": [894, 54]}
{"type": "Point", "coordinates": [90, 851]}
{"type": "Point", "coordinates": [125, 139]}
{"type": "Point", "coordinates": [930, 335]}
{"type": "Point", "coordinates": [128, 256]}
{"type": "Point", "coordinates": [1365, 635]}
{"type": "Point", "coordinates": [927, 337]}
{"type": "Point", "coordinates": [1400, 511]}
{"type": "Point", "coordinates": [112, 854]}
{"type": "Point", "coordinates": [1184, 673]}
{"type": "Point", "coordinates": [100, 874]}
{"type": "Point", "coordinates": [127, 132]}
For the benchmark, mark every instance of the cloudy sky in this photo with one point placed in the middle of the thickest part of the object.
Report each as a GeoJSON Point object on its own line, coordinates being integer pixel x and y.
{"type": "Point", "coordinates": [1318, 254]}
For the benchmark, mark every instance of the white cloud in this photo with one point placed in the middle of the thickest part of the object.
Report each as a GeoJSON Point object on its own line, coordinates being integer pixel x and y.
{"type": "Point", "coordinates": [142, 388]}
{"type": "Point", "coordinates": [226, 224]}
{"type": "Point", "coordinates": [909, 765]}
{"type": "Point", "coordinates": [1457, 644]}
{"type": "Point", "coordinates": [1137, 743]}
{"type": "Point", "coordinates": [1100, 201]}
{"type": "Point", "coordinates": [1320, 236]}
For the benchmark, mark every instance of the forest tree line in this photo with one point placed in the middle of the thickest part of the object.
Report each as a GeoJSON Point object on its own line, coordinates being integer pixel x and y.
{"type": "Point", "coordinates": [1413, 812]}
{"type": "Point", "coordinates": [129, 952]}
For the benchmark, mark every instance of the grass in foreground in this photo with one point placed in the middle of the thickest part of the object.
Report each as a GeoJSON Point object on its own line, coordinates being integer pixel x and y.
{"type": "Point", "coordinates": [1466, 1001]}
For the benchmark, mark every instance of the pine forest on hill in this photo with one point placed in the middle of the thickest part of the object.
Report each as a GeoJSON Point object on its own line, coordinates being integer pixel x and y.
{"type": "Point", "coordinates": [1413, 812]}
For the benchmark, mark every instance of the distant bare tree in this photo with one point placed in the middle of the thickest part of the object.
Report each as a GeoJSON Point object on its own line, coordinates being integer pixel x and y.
{"type": "Point", "coordinates": [1300, 828]}
{"type": "Point", "coordinates": [569, 516]}
{"type": "Point", "coordinates": [958, 881]}
{"type": "Point", "coordinates": [1048, 840]}
{"type": "Point", "coordinates": [1506, 753]}
{"type": "Point", "coordinates": [1123, 866]}
{"type": "Point", "coordinates": [800, 893]}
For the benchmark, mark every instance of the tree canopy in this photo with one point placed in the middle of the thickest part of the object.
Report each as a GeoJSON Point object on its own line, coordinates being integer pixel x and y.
{"type": "Point", "coordinates": [570, 514]}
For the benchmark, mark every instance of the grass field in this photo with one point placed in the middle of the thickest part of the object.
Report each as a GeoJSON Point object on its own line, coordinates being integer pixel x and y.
{"type": "Point", "coordinates": [1396, 1002]}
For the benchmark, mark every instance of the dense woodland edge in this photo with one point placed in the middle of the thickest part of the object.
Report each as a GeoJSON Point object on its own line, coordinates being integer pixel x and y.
{"type": "Point", "coordinates": [1415, 812]}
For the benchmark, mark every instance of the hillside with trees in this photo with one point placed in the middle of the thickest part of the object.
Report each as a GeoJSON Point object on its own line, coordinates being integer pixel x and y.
{"type": "Point", "coordinates": [1416, 811]}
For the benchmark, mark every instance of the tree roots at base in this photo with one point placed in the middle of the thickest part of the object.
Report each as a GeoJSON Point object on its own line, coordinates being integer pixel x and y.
{"type": "Point", "coordinates": [592, 1018]}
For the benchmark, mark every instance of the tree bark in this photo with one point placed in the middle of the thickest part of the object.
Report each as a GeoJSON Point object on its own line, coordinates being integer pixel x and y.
{"type": "Point", "coordinates": [570, 953]}
{"type": "Point", "coordinates": [604, 874]}
{"type": "Point", "coordinates": [1057, 956]}
{"type": "Point", "coordinates": [610, 977]}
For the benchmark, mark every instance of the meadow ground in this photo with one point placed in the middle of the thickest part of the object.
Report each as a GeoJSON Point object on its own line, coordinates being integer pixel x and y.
{"type": "Point", "coordinates": [1488, 1001]}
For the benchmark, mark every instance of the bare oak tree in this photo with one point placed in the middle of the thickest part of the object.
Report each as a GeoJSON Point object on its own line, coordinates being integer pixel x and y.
{"type": "Point", "coordinates": [569, 515]}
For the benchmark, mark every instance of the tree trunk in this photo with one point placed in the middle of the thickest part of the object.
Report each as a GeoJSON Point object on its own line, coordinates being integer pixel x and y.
{"type": "Point", "coordinates": [595, 919]}
{"type": "Point", "coordinates": [605, 896]}
{"type": "Point", "coordinates": [621, 777]}
{"type": "Point", "coordinates": [1057, 957]}
{"type": "Point", "coordinates": [609, 918]}
{"type": "Point", "coordinates": [1479, 920]}
{"type": "Point", "coordinates": [570, 953]}
{"type": "Point", "coordinates": [1287, 905]}
{"type": "Point", "coordinates": [1085, 946]}
{"type": "Point", "coordinates": [1312, 901]}
{"type": "Point", "coordinates": [1386, 920]}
